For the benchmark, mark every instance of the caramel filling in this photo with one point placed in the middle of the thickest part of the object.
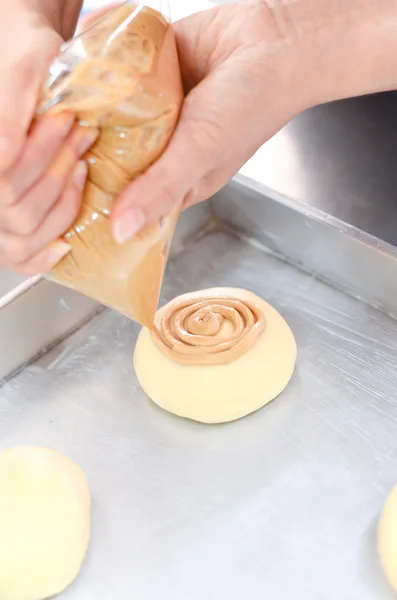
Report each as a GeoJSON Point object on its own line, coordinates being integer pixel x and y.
{"type": "Point", "coordinates": [127, 83]}
{"type": "Point", "coordinates": [208, 331]}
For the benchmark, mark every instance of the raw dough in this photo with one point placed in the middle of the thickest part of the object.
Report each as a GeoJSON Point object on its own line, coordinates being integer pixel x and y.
{"type": "Point", "coordinates": [218, 393]}
{"type": "Point", "coordinates": [44, 522]}
{"type": "Point", "coordinates": [387, 538]}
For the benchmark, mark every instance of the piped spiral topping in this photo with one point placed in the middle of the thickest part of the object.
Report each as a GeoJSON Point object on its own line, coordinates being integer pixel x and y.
{"type": "Point", "coordinates": [192, 331]}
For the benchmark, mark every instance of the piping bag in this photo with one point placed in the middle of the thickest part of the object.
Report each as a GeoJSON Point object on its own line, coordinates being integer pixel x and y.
{"type": "Point", "coordinates": [121, 75]}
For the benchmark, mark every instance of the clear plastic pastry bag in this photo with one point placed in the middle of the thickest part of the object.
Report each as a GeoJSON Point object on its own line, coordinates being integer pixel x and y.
{"type": "Point", "coordinates": [121, 75]}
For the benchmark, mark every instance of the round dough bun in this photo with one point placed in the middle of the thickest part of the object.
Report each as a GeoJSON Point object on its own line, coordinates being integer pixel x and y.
{"type": "Point", "coordinates": [219, 393]}
{"type": "Point", "coordinates": [387, 538]}
{"type": "Point", "coordinates": [44, 522]}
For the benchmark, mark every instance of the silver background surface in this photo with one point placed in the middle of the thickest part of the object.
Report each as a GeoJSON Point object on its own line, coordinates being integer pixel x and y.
{"type": "Point", "coordinates": [282, 504]}
{"type": "Point", "coordinates": [338, 158]}
{"type": "Point", "coordinates": [347, 257]}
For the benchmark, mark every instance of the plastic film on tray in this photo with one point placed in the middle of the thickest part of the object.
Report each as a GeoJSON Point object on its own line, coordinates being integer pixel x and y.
{"type": "Point", "coordinates": [121, 75]}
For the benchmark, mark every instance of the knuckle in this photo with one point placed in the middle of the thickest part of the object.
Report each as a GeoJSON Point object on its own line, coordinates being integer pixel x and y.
{"type": "Point", "coordinates": [7, 193]}
{"type": "Point", "coordinates": [68, 208]}
{"type": "Point", "coordinates": [25, 220]}
{"type": "Point", "coordinates": [43, 145]}
{"type": "Point", "coordinates": [204, 132]}
{"type": "Point", "coordinates": [4, 263]}
{"type": "Point", "coordinates": [63, 214]}
{"type": "Point", "coordinates": [28, 269]}
{"type": "Point", "coordinates": [164, 187]}
{"type": "Point", "coordinates": [52, 184]}
{"type": "Point", "coordinates": [20, 220]}
{"type": "Point", "coordinates": [17, 249]}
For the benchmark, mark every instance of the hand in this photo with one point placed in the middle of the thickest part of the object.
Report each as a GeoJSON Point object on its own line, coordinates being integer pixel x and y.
{"type": "Point", "coordinates": [248, 69]}
{"type": "Point", "coordinates": [41, 194]}
{"type": "Point", "coordinates": [29, 41]}
{"type": "Point", "coordinates": [237, 70]}
{"type": "Point", "coordinates": [41, 178]}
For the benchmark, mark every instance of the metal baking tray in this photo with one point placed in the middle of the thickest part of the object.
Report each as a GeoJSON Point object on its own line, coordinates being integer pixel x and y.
{"type": "Point", "coordinates": [282, 504]}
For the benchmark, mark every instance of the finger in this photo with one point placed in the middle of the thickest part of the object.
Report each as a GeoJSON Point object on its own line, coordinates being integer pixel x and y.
{"type": "Point", "coordinates": [211, 183]}
{"type": "Point", "coordinates": [145, 200]}
{"type": "Point", "coordinates": [18, 250]}
{"type": "Point", "coordinates": [22, 72]}
{"type": "Point", "coordinates": [43, 143]}
{"type": "Point", "coordinates": [217, 178]}
{"type": "Point", "coordinates": [195, 41]}
{"type": "Point", "coordinates": [213, 121]}
{"type": "Point", "coordinates": [204, 42]}
{"type": "Point", "coordinates": [42, 262]}
{"type": "Point", "coordinates": [25, 216]}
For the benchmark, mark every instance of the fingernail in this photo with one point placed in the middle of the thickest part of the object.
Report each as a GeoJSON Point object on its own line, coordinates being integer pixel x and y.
{"type": "Point", "coordinates": [56, 252]}
{"type": "Point", "coordinates": [80, 174]}
{"type": "Point", "coordinates": [87, 141]}
{"type": "Point", "coordinates": [128, 224]}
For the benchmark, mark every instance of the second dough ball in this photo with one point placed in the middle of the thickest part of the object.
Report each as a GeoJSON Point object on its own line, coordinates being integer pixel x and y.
{"type": "Point", "coordinates": [44, 523]}
{"type": "Point", "coordinates": [387, 538]}
{"type": "Point", "coordinates": [215, 355]}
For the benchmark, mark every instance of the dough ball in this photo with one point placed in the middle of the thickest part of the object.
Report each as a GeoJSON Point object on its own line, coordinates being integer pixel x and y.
{"type": "Point", "coordinates": [387, 538]}
{"type": "Point", "coordinates": [218, 393]}
{"type": "Point", "coordinates": [44, 522]}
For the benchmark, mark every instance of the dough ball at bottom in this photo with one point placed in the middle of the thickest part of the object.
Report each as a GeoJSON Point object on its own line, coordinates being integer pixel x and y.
{"type": "Point", "coordinates": [225, 392]}
{"type": "Point", "coordinates": [387, 538]}
{"type": "Point", "coordinates": [44, 522]}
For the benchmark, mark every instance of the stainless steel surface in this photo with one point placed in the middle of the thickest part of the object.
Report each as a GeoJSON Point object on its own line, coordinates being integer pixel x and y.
{"type": "Point", "coordinates": [322, 245]}
{"type": "Point", "coordinates": [35, 318]}
{"type": "Point", "coordinates": [338, 158]}
{"type": "Point", "coordinates": [37, 313]}
{"type": "Point", "coordinates": [9, 281]}
{"type": "Point", "coordinates": [282, 504]}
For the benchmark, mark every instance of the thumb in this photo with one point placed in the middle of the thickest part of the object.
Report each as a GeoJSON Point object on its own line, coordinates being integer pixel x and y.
{"type": "Point", "coordinates": [204, 138]}
{"type": "Point", "coordinates": [224, 119]}
{"type": "Point", "coordinates": [23, 68]}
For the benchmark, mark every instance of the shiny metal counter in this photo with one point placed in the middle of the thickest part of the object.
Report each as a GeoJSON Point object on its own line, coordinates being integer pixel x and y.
{"type": "Point", "coordinates": [340, 159]}
{"type": "Point", "coordinates": [282, 504]}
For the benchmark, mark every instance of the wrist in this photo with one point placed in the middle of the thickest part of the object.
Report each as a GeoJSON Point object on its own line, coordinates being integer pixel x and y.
{"type": "Point", "coordinates": [339, 52]}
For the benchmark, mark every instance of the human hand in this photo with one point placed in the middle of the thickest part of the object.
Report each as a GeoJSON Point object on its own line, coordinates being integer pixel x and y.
{"type": "Point", "coordinates": [30, 38]}
{"type": "Point", "coordinates": [237, 72]}
{"type": "Point", "coordinates": [41, 178]}
{"type": "Point", "coordinates": [41, 194]}
{"type": "Point", "coordinates": [248, 69]}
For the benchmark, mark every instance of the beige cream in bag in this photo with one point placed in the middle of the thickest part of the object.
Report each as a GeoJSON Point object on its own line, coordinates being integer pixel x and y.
{"type": "Point", "coordinates": [121, 75]}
